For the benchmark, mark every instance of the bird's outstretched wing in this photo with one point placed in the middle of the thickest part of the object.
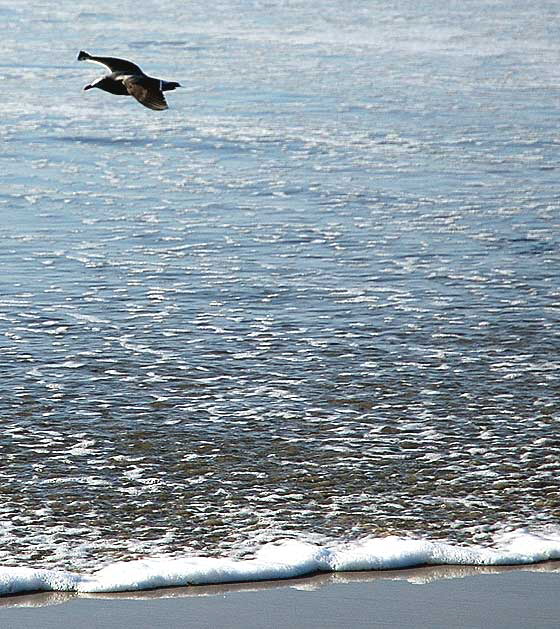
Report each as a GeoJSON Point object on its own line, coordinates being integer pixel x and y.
{"type": "Point", "coordinates": [114, 64]}
{"type": "Point", "coordinates": [146, 91]}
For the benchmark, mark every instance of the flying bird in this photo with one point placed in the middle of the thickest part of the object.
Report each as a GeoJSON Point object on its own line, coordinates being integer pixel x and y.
{"type": "Point", "coordinates": [127, 79]}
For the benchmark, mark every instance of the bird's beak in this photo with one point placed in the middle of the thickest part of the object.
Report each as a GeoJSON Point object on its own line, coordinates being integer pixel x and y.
{"type": "Point", "coordinates": [87, 87]}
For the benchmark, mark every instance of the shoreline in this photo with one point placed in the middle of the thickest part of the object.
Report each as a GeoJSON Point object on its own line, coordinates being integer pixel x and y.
{"type": "Point", "coordinates": [440, 596]}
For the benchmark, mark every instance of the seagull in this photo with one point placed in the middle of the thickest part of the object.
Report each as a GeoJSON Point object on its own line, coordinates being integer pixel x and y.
{"type": "Point", "coordinates": [127, 79]}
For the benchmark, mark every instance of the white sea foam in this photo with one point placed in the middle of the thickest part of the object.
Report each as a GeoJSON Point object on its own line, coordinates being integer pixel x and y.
{"type": "Point", "coordinates": [283, 561]}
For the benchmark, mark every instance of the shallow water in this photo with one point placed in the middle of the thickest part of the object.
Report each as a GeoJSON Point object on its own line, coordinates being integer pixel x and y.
{"type": "Point", "coordinates": [315, 299]}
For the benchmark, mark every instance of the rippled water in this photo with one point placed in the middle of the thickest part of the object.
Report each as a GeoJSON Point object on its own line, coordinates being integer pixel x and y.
{"type": "Point", "coordinates": [317, 298]}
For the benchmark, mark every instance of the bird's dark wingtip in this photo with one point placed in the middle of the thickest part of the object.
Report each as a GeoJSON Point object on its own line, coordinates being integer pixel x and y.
{"type": "Point", "coordinates": [83, 55]}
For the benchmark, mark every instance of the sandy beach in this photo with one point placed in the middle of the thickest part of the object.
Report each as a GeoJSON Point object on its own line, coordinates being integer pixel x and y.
{"type": "Point", "coordinates": [427, 597]}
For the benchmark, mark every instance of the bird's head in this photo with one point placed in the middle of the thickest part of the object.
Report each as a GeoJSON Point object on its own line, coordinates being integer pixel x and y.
{"type": "Point", "coordinates": [101, 83]}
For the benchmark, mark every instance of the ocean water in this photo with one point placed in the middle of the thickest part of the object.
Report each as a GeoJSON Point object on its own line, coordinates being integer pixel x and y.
{"type": "Point", "coordinates": [305, 320]}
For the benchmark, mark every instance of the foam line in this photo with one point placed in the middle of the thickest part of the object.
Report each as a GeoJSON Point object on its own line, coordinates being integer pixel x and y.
{"type": "Point", "coordinates": [283, 561]}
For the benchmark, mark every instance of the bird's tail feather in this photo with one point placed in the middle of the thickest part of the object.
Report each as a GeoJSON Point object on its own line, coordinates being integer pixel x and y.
{"type": "Point", "coordinates": [169, 85]}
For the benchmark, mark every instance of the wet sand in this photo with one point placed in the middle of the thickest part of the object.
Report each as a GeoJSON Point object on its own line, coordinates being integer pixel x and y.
{"type": "Point", "coordinates": [450, 597]}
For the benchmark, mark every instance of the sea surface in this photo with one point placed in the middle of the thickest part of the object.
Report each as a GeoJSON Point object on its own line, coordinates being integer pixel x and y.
{"type": "Point", "coordinates": [315, 305]}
